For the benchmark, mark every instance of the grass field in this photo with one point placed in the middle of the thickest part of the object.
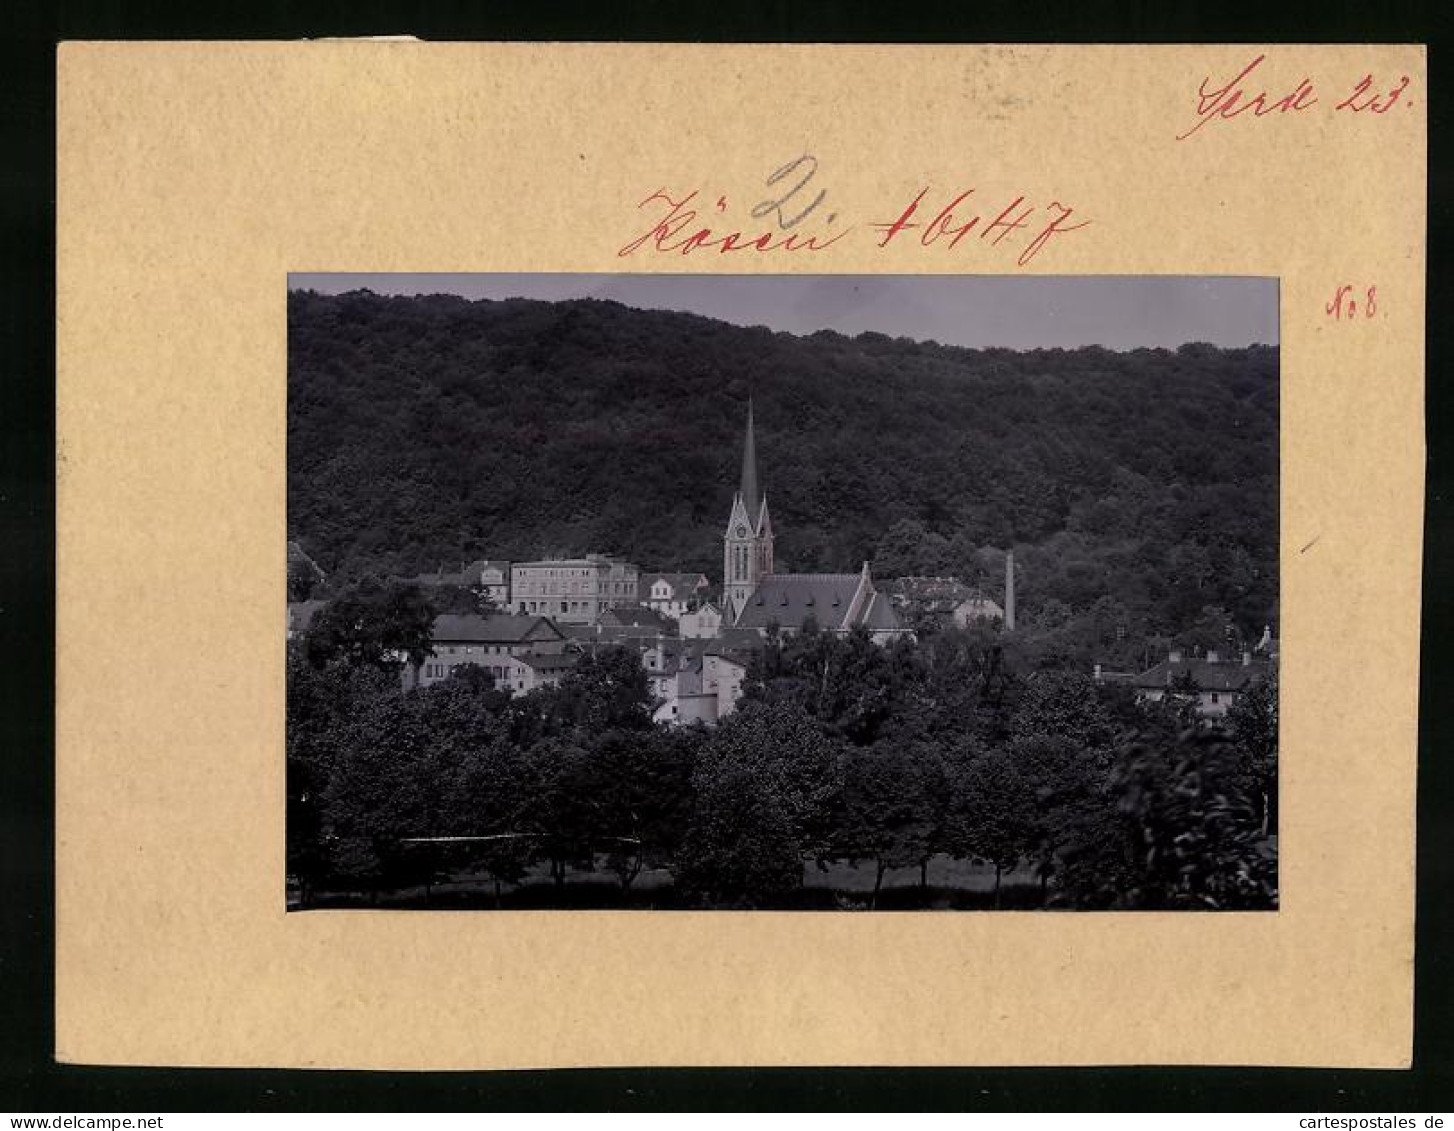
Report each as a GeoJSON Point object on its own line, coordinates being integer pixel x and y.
{"type": "Point", "coordinates": [840, 886]}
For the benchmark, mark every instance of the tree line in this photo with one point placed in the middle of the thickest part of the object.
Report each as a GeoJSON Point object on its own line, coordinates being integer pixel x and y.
{"type": "Point", "coordinates": [1138, 489]}
{"type": "Point", "coordinates": [841, 750]}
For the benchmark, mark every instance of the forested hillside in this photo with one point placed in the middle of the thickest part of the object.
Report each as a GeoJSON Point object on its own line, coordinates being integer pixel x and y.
{"type": "Point", "coordinates": [1138, 489]}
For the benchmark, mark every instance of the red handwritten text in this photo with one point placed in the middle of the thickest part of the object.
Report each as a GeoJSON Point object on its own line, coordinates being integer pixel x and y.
{"type": "Point", "coordinates": [951, 227]}
{"type": "Point", "coordinates": [1360, 100]}
{"type": "Point", "coordinates": [1242, 96]}
{"type": "Point", "coordinates": [676, 226]}
{"type": "Point", "coordinates": [1345, 304]}
{"type": "Point", "coordinates": [1232, 99]}
{"type": "Point", "coordinates": [676, 231]}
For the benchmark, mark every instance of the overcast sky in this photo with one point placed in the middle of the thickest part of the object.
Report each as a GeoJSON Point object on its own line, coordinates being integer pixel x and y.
{"type": "Point", "coordinates": [1019, 311]}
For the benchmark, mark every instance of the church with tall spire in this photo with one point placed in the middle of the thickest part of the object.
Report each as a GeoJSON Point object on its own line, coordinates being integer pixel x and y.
{"type": "Point", "coordinates": [755, 596]}
{"type": "Point", "coordinates": [747, 543]}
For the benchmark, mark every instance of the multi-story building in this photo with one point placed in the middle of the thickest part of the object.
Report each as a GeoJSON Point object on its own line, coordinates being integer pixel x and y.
{"type": "Point", "coordinates": [490, 642]}
{"type": "Point", "coordinates": [573, 590]}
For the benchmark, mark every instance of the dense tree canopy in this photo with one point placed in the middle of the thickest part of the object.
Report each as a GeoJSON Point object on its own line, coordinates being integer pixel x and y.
{"type": "Point", "coordinates": [1139, 489]}
{"type": "Point", "coordinates": [839, 751]}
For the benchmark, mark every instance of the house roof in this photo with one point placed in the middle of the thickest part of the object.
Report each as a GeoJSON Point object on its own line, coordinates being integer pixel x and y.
{"type": "Point", "coordinates": [980, 606]}
{"type": "Point", "coordinates": [501, 628]}
{"type": "Point", "coordinates": [635, 616]}
{"type": "Point", "coordinates": [600, 633]}
{"type": "Point", "coordinates": [1207, 675]}
{"type": "Point", "coordinates": [789, 599]}
{"type": "Point", "coordinates": [595, 561]}
{"type": "Point", "coordinates": [937, 590]}
{"type": "Point", "coordinates": [298, 556]}
{"type": "Point", "coordinates": [683, 585]}
{"type": "Point", "coordinates": [735, 640]}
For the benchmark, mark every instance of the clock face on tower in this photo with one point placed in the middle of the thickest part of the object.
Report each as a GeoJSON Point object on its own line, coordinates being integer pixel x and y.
{"type": "Point", "coordinates": [742, 532]}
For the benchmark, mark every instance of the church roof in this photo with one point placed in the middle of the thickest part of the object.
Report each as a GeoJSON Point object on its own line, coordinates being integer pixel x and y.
{"type": "Point", "coordinates": [878, 615]}
{"type": "Point", "coordinates": [789, 599]}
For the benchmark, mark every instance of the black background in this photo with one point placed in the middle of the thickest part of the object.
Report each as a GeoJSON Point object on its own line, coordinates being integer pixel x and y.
{"type": "Point", "coordinates": [29, 1078]}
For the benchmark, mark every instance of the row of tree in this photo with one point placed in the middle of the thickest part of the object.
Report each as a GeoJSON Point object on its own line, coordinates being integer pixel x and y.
{"type": "Point", "coordinates": [841, 750]}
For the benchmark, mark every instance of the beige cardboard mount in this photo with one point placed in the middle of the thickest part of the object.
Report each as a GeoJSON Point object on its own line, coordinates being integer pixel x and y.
{"type": "Point", "coordinates": [194, 177]}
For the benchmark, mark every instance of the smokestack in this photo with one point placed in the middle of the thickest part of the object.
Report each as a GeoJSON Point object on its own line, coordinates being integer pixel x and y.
{"type": "Point", "coordinates": [1010, 591]}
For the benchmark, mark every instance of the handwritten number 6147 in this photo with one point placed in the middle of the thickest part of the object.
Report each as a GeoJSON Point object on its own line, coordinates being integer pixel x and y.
{"type": "Point", "coordinates": [1346, 304]}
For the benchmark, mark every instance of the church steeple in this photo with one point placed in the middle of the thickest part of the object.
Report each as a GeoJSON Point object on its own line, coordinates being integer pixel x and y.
{"type": "Point", "coordinates": [747, 544]}
{"type": "Point", "coordinates": [748, 488]}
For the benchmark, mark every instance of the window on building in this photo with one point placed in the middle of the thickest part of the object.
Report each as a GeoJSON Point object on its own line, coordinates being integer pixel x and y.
{"type": "Point", "coordinates": [1214, 697]}
{"type": "Point", "coordinates": [564, 607]}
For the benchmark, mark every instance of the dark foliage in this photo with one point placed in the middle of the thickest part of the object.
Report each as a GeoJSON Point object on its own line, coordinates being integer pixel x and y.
{"type": "Point", "coordinates": [1139, 489]}
{"type": "Point", "coordinates": [840, 751]}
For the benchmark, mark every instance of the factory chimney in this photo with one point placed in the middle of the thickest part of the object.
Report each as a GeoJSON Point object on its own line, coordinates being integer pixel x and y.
{"type": "Point", "coordinates": [1010, 591]}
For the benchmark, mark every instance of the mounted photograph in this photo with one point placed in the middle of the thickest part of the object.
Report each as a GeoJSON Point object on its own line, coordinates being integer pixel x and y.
{"type": "Point", "coordinates": [809, 593]}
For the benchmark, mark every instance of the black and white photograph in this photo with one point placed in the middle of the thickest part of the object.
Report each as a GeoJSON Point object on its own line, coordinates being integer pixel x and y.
{"type": "Point", "coordinates": [782, 592]}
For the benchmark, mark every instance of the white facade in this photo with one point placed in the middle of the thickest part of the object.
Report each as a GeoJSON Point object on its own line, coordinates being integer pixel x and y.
{"type": "Point", "coordinates": [702, 623]}
{"type": "Point", "coordinates": [672, 594]}
{"type": "Point", "coordinates": [573, 590]}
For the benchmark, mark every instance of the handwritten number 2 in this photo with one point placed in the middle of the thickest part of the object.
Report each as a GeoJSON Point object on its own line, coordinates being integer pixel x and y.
{"type": "Point", "coordinates": [766, 206]}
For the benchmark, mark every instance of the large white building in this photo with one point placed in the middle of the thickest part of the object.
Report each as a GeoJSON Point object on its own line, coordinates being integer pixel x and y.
{"type": "Point", "coordinates": [573, 590]}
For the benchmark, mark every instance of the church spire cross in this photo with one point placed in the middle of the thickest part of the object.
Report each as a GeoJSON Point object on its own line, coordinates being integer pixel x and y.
{"type": "Point", "coordinates": [748, 489]}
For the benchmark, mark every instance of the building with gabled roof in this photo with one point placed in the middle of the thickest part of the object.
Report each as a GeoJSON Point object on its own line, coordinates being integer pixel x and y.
{"type": "Point", "coordinates": [703, 622]}
{"type": "Point", "coordinates": [488, 641]}
{"type": "Point", "coordinates": [672, 594]}
{"type": "Point", "coordinates": [834, 602]}
{"type": "Point", "coordinates": [1213, 684]}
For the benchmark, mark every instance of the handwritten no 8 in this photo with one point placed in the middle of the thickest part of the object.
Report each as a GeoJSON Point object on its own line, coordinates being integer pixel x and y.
{"type": "Point", "coordinates": [1345, 305]}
